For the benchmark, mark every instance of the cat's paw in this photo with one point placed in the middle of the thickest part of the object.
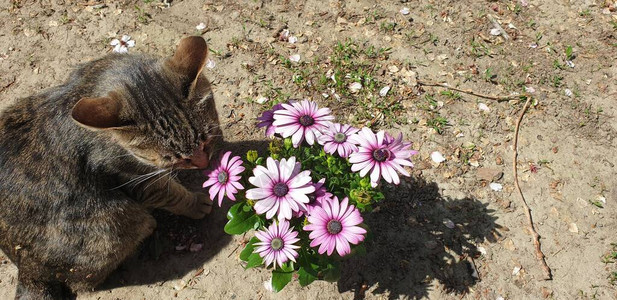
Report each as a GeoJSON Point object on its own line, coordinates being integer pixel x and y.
{"type": "Point", "coordinates": [200, 206]}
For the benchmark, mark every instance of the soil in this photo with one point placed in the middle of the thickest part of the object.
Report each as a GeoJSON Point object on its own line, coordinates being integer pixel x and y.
{"type": "Point", "coordinates": [442, 234]}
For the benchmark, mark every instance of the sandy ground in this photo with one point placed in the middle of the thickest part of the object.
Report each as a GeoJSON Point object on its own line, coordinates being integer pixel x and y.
{"type": "Point", "coordinates": [566, 146]}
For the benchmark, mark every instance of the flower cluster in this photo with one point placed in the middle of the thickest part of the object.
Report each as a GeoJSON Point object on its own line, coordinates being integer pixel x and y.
{"type": "Point", "coordinates": [378, 153]}
{"type": "Point", "coordinates": [305, 198]}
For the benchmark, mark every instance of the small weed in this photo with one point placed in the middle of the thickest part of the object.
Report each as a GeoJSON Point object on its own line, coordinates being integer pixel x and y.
{"type": "Point", "coordinates": [433, 39]}
{"type": "Point", "coordinates": [438, 123]}
{"type": "Point", "coordinates": [285, 61]}
{"type": "Point", "coordinates": [518, 9]}
{"type": "Point", "coordinates": [381, 52]}
{"type": "Point", "coordinates": [64, 19]}
{"type": "Point", "coordinates": [539, 37]}
{"type": "Point", "coordinates": [431, 103]}
{"type": "Point", "coordinates": [557, 65]}
{"type": "Point", "coordinates": [467, 153]}
{"type": "Point", "coordinates": [275, 94]}
{"type": "Point", "coordinates": [235, 41]}
{"type": "Point", "coordinates": [264, 24]}
{"type": "Point", "coordinates": [614, 23]}
{"type": "Point", "coordinates": [585, 13]}
{"type": "Point", "coordinates": [611, 257]}
{"type": "Point", "coordinates": [217, 53]}
{"type": "Point", "coordinates": [142, 16]}
{"type": "Point", "coordinates": [489, 76]}
{"type": "Point", "coordinates": [597, 203]}
{"type": "Point", "coordinates": [569, 53]}
{"type": "Point", "coordinates": [372, 17]}
{"type": "Point", "coordinates": [557, 80]}
{"type": "Point", "coordinates": [451, 95]}
{"type": "Point", "coordinates": [479, 49]}
{"type": "Point", "coordinates": [388, 26]}
{"type": "Point", "coordinates": [344, 52]}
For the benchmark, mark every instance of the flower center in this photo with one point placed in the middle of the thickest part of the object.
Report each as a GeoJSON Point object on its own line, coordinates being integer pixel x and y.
{"type": "Point", "coordinates": [277, 243]}
{"type": "Point", "coordinates": [381, 155]}
{"type": "Point", "coordinates": [280, 189]}
{"type": "Point", "coordinates": [307, 120]}
{"type": "Point", "coordinates": [222, 177]}
{"type": "Point", "coordinates": [340, 137]}
{"type": "Point", "coordinates": [312, 198]}
{"type": "Point", "coordinates": [334, 227]}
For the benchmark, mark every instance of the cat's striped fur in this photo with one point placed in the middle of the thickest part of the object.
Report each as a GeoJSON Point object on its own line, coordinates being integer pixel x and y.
{"type": "Point", "coordinates": [82, 165]}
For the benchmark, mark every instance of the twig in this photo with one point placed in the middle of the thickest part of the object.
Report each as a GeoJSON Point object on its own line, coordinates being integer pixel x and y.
{"type": "Point", "coordinates": [243, 243]}
{"type": "Point", "coordinates": [470, 92]}
{"type": "Point", "coordinates": [475, 268]}
{"type": "Point", "coordinates": [8, 85]}
{"type": "Point", "coordinates": [536, 236]}
{"type": "Point", "coordinates": [234, 251]}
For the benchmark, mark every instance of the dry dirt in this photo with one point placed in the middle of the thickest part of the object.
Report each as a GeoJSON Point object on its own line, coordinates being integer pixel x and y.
{"type": "Point", "coordinates": [567, 138]}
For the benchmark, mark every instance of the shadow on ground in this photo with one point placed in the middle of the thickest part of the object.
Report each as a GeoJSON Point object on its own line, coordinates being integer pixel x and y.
{"type": "Point", "coordinates": [411, 245]}
{"type": "Point", "coordinates": [159, 259]}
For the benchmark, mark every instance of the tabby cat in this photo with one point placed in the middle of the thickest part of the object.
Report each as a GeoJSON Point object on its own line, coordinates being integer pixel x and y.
{"type": "Point", "coordinates": [83, 164]}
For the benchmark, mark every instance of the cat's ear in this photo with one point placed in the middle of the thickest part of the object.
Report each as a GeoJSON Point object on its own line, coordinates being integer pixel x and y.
{"type": "Point", "coordinates": [190, 57]}
{"type": "Point", "coordinates": [98, 113]}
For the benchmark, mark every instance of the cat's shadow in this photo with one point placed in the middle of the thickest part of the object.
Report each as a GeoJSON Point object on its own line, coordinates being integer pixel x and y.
{"type": "Point", "coordinates": [167, 255]}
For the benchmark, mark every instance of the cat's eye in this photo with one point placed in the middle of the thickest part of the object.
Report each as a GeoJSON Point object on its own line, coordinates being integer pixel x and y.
{"type": "Point", "coordinates": [203, 137]}
{"type": "Point", "coordinates": [178, 156]}
{"type": "Point", "coordinates": [166, 157]}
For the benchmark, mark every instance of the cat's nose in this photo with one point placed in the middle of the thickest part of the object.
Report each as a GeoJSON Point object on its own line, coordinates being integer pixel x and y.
{"type": "Point", "coordinates": [199, 159]}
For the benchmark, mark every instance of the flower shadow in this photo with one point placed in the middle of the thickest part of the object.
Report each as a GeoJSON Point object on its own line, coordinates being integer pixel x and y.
{"type": "Point", "coordinates": [166, 254]}
{"type": "Point", "coordinates": [413, 245]}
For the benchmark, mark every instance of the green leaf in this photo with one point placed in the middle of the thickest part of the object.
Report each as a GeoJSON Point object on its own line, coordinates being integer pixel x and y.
{"type": "Point", "coordinates": [240, 221]}
{"type": "Point", "coordinates": [287, 143]}
{"type": "Point", "coordinates": [281, 277]}
{"type": "Point", "coordinates": [358, 250]}
{"type": "Point", "coordinates": [321, 169]}
{"type": "Point", "coordinates": [254, 260]}
{"type": "Point", "coordinates": [332, 273]}
{"type": "Point", "coordinates": [569, 52]}
{"type": "Point", "coordinates": [251, 156]}
{"type": "Point", "coordinates": [305, 278]}
{"type": "Point", "coordinates": [248, 250]}
{"type": "Point", "coordinates": [306, 262]}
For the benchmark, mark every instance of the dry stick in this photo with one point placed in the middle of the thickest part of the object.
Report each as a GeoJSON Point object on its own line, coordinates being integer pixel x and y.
{"type": "Point", "coordinates": [536, 236]}
{"type": "Point", "coordinates": [470, 92]}
{"type": "Point", "coordinates": [8, 85]}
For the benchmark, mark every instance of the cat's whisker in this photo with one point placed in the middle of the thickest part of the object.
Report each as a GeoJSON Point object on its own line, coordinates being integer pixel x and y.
{"type": "Point", "coordinates": [150, 177]}
{"type": "Point", "coordinates": [215, 126]}
{"type": "Point", "coordinates": [139, 178]}
{"type": "Point", "coordinates": [154, 181]}
{"type": "Point", "coordinates": [173, 176]}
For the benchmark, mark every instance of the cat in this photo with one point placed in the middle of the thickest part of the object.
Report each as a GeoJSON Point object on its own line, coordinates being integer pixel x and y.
{"type": "Point", "coordinates": [83, 164]}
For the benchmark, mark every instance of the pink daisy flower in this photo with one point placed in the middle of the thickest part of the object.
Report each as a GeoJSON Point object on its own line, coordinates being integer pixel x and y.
{"type": "Point", "coordinates": [277, 244]}
{"type": "Point", "coordinates": [334, 225]}
{"type": "Point", "coordinates": [281, 188]}
{"type": "Point", "coordinates": [224, 178]}
{"type": "Point", "coordinates": [336, 139]}
{"type": "Point", "coordinates": [302, 120]}
{"type": "Point", "coordinates": [266, 119]}
{"type": "Point", "coordinates": [381, 154]}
